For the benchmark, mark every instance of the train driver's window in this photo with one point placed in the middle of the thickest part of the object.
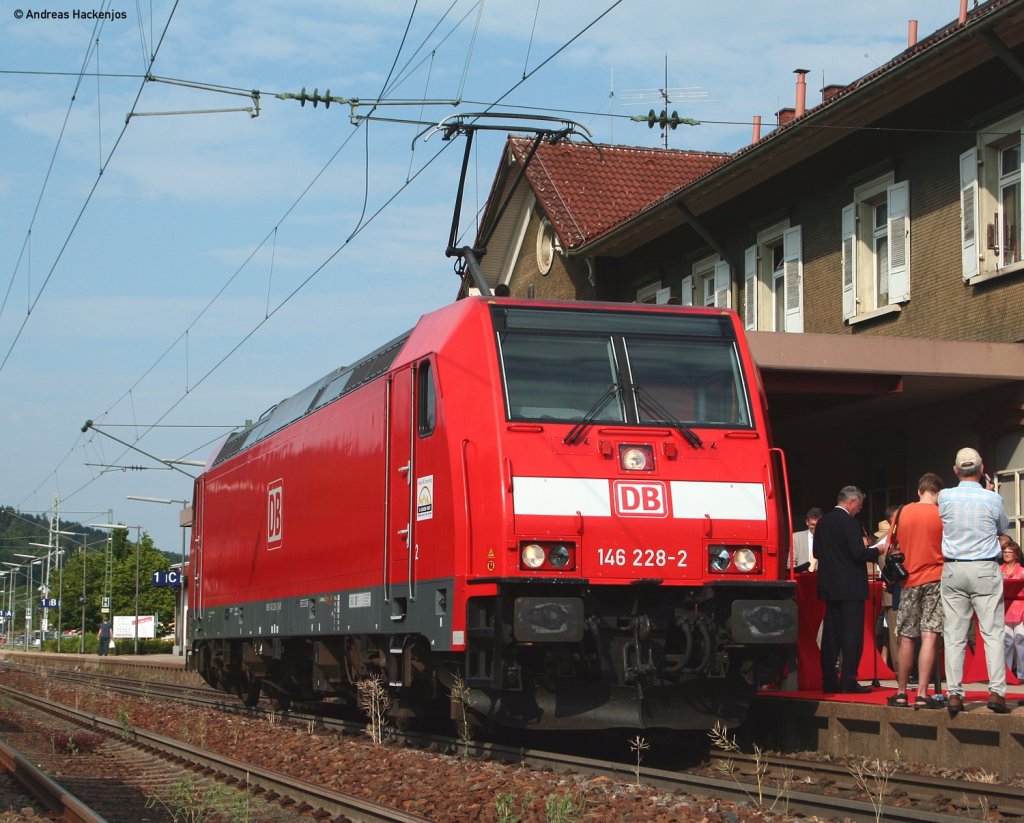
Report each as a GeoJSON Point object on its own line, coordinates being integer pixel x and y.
{"type": "Point", "coordinates": [697, 382]}
{"type": "Point", "coordinates": [426, 400]}
{"type": "Point", "coordinates": [558, 376]}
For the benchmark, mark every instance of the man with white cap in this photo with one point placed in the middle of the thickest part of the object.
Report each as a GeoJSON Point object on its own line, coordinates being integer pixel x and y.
{"type": "Point", "coordinates": [972, 518]}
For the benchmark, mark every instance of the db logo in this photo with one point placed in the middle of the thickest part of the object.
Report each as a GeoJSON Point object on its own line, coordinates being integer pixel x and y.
{"type": "Point", "coordinates": [633, 499]}
{"type": "Point", "coordinates": [275, 514]}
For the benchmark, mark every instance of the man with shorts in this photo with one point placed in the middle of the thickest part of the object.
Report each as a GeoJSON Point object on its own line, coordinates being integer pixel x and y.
{"type": "Point", "coordinates": [917, 529]}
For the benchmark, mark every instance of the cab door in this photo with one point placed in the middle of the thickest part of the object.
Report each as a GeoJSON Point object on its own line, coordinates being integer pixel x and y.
{"type": "Point", "coordinates": [399, 562]}
{"type": "Point", "coordinates": [412, 458]}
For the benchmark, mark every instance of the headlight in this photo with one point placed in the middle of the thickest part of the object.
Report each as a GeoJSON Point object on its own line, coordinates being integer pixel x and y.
{"type": "Point", "coordinates": [558, 557]}
{"type": "Point", "coordinates": [719, 559]}
{"type": "Point", "coordinates": [744, 559]}
{"type": "Point", "coordinates": [636, 458]}
{"type": "Point", "coordinates": [734, 559]}
{"type": "Point", "coordinates": [533, 556]}
{"type": "Point", "coordinates": [548, 556]}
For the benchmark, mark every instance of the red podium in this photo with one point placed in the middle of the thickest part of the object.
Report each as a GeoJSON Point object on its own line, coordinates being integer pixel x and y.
{"type": "Point", "coordinates": [812, 612]}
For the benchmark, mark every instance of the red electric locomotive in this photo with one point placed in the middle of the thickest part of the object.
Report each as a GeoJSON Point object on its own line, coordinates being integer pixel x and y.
{"type": "Point", "coordinates": [570, 510]}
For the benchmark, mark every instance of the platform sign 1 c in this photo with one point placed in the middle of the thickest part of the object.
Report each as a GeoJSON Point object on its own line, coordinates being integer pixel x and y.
{"type": "Point", "coordinates": [171, 579]}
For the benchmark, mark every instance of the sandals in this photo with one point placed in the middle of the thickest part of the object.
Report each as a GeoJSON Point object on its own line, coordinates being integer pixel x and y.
{"type": "Point", "coordinates": [900, 701]}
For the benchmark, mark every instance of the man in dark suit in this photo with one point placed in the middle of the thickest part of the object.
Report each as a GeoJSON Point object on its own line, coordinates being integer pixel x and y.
{"type": "Point", "coordinates": [843, 556]}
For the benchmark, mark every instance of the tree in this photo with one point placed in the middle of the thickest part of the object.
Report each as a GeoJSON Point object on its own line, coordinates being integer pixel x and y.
{"type": "Point", "coordinates": [152, 600]}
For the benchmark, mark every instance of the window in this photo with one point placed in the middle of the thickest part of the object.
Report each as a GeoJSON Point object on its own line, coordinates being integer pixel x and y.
{"type": "Point", "coordinates": [545, 246]}
{"type": "Point", "coordinates": [426, 400]}
{"type": "Point", "coordinates": [876, 246]}
{"type": "Point", "coordinates": [654, 293]}
{"type": "Point", "coordinates": [990, 201]}
{"type": "Point", "coordinates": [709, 283]}
{"type": "Point", "coordinates": [639, 369]}
{"type": "Point", "coordinates": [1009, 479]}
{"type": "Point", "coordinates": [774, 249]}
{"type": "Point", "coordinates": [773, 272]}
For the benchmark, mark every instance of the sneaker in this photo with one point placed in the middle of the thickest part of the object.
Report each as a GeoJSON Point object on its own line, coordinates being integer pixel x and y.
{"type": "Point", "coordinates": [954, 704]}
{"type": "Point", "coordinates": [997, 703]}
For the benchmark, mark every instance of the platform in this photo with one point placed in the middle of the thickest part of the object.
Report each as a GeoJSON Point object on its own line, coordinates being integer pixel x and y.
{"type": "Point", "coordinates": [864, 726]}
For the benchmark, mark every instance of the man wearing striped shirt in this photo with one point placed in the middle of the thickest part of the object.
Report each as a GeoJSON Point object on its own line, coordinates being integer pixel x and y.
{"type": "Point", "coordinates": [972, 518]}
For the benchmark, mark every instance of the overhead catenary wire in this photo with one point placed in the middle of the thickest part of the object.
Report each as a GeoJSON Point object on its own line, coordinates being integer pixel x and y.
{"type": "Point", "coordinates": [85, 204]}
{"type": "Point", "coordinates": [363, 224]}
{"type": "Point", "coordinates": [53, 158]}
{"type": "Point", "coordinates": [366, 132]}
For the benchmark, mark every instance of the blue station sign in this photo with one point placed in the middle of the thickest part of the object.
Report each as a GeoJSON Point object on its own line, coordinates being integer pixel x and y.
{"type": "Point", "coordinates": [170, 579]}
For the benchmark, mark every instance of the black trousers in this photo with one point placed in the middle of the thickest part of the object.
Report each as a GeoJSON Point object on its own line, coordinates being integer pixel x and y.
{"type": "Point", "coordinates": [842, 632]}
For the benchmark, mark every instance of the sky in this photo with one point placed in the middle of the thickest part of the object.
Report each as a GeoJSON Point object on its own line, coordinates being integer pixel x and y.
{"type": "Point", "coordinates": [173, 273]}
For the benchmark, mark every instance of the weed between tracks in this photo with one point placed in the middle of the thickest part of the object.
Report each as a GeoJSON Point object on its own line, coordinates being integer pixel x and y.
{"type": "Point", "coordinates": [191, 801]}
{"type": "Point", "coordinates": [720, 740]}
{"type": "Point", "coordinates": [873, 775]}
{"type": "Point", "coordinates": [73, 742]}
{"type": "Point", "coordinates": [458, 697]}
{"type": "Point", "coordinates": [375, 700]}
{"type": "Point", "coordinates": [570, 807]}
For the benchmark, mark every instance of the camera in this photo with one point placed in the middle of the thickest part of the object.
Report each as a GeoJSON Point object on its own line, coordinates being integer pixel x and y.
{"type": "Point", "coordinates": [893, 571]}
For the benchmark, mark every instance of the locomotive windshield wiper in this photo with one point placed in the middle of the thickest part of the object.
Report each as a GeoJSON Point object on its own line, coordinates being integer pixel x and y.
{"type": "Point", "coordinates": [576, 432]}
{"type": "Point", "coordinates": [648, 401]}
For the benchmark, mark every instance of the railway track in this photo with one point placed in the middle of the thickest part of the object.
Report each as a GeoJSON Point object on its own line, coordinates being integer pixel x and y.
{"type": "Point", "coordinates": [19, 777]}
{"type": "Point", "coordinates": [167, 767]}
{"type": "Point", "coordinates": [785, 784]}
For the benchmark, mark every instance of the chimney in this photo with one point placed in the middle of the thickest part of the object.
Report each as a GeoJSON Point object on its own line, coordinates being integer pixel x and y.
{"type": "Point", "coordinates": [757, 129]}
{"type": "Point", "coordinates": [963, 12]}
{"type": "Point", "coordinates": [801, 91]}
{"type": "Point", "coordinates": [786, 115]}
{"type": "Point", "coordinates": [911, 33]}
{"type": "Point", "coordinates": [830, 91]}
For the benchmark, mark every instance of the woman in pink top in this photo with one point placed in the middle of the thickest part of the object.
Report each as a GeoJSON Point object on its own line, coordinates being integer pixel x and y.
{"type": "Point", "coordinates": [1013, 634]}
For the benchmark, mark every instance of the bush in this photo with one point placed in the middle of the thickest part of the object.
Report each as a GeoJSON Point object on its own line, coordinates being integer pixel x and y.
{"type": "Point", "coordinates": [71, 645]}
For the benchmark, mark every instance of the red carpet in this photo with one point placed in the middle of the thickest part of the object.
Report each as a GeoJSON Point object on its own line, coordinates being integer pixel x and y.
{"type": "Point", "coordinates": [880, 695]}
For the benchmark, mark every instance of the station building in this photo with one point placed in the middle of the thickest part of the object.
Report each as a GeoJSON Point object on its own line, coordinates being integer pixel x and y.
{"type": "Point", "coordinates": [871, 242]}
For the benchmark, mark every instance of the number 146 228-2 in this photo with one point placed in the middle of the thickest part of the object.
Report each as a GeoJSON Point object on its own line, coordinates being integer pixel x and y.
{"type": "Point", "coordinates": [642, 558]}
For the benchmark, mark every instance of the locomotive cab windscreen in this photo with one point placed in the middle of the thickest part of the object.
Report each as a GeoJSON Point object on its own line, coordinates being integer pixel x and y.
{"type": "Point", "coordinates": [640, 369]}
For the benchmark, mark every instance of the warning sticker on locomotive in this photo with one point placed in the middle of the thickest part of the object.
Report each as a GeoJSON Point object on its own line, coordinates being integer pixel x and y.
{"type": "Point", "coordinates": [425, 497]}
{"type": "Point", "coordinates": [275, 514]}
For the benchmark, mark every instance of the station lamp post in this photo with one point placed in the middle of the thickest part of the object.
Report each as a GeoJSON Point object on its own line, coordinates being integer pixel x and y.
{"type": "Point", "coordinates": [5, 617]}
{"type": "Point", "coordinates": [28, 595]}
{"type": "Point", "coordinates": [11, 602]}
{"type": "Point", "coordinates": [184, 519]}
{"type": "Point", "coordinates": [138, 543]}
{"type": "Point", "coordinates": [45, 590]}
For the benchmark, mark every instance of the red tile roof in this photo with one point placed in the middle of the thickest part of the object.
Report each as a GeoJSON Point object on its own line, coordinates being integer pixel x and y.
{"type": "Point", "coordinates": [586, 191]}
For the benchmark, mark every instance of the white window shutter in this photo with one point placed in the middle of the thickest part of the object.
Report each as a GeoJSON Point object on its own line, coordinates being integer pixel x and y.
{"type": "Point", "coordinates": [792, 256]}
{"type": "Point", "coordinates": [849, 261]}
{"type": "Point", "coordinates": [750, 289]}
{"type": "Point", "coordinates": [662, 295]}
{"type": "Point", "coordinates": [722, 283]}
{"type": "Point", "coordinates": [969, 212]}
{"type": "Point", "coordinates": [686, 298]}
{"type": "Point", "coordinates": [1020, 200]}
{"type": "Point", "coordinates": [899, 242]}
